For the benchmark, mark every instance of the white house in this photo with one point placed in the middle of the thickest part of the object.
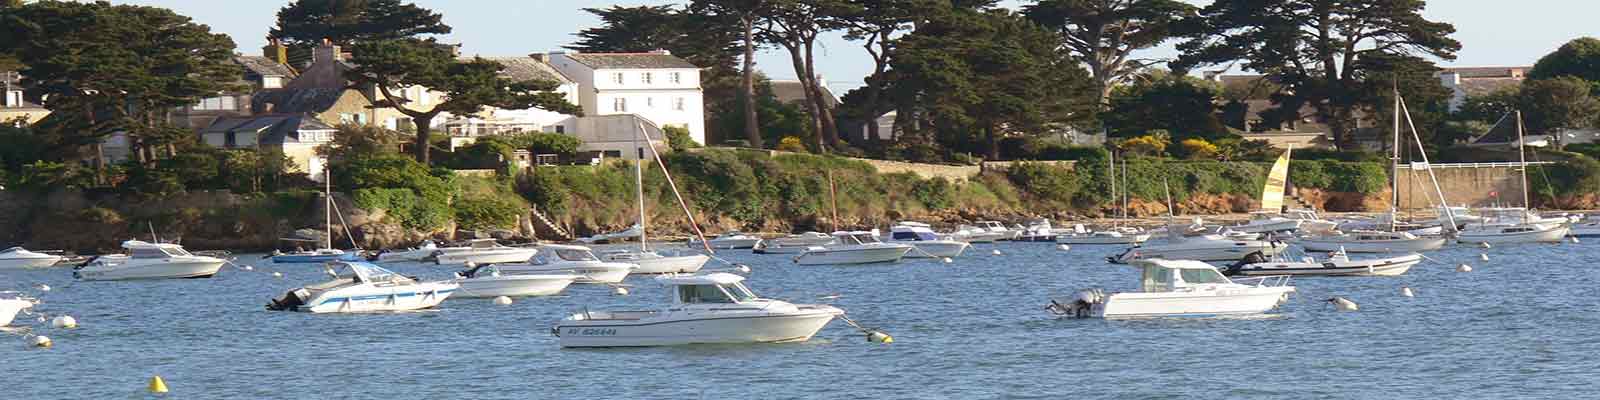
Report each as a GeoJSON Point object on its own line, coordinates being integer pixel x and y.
{"type": "Point", "coordinates": [1477, 81]}
{"type": "Point", "coordinates": [494, 121]}
{"type": "Point", "coordinates": [295, 136]}
{"type": "Point", "coordinates": [656, 85]}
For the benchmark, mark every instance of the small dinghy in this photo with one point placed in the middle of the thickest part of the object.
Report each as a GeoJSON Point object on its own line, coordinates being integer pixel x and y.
{"type": "Point", "coordinates": [485, 281]}
{"type": "Point", "coordinates": [729, 241]}
{"type": "Point", "coordinates": [576, 260]}
{"type": "Point", "coordinates": [1337, 264]}
{"type": "Point", "coordinates": [713, 308]}
{"type": "Point", "coordinates": [793, 244]}
{"type": "Point", "coordinates": [1179, 288]}
{"type": "Point", "coordinates": [12, 303]}
{"type": "Point", "coordinates": [20, 258]}
{"type": "Point", "coordinates": [363, 287]}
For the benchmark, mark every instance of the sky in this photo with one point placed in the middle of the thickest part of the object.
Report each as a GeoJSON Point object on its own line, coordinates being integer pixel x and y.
{"type": "Point", "coordinates": [1491, 33]}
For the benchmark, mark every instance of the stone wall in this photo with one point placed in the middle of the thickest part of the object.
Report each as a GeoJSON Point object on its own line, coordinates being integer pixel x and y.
{"type": "Point", "coordinates": [1481, 185]}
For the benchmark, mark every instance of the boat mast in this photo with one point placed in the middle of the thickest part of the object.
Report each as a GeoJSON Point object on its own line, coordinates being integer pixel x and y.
{"type": "Point", "coordinates": [1423, 152]}
{"type": "Point", "coordinates": [638, 183]}
{"type": "Point", "coordinates": [1522, 160]}
{"type": "Point", "coordinates": [327, 196]}
{"type": "Point", "coordinates": [833, 199]}
{"type": "Point", "coordinates": [1394, 164]}
{"type": "Point", "coordinates": [1111, 167]}
{"type": "Point", "coordinates": [1124, 188]}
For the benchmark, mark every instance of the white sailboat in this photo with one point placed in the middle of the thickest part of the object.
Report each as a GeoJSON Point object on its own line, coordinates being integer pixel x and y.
{"type": "Point", "coordinates": [1337, 264]}
{"type": "Point", "coordinates": [1118, 234]}
{"type": "Point", "coordinates": [327, 253]}
{"type": "Point", "coordinates": [651, 262]}
{"type": "Point", "coordinates": [1526, 230]}
{"type": "Point", "coordinates": [1392, 239]}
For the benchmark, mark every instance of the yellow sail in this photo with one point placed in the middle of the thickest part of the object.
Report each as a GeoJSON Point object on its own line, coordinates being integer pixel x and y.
{"type": "Point", "coordinates": [1272, 194]}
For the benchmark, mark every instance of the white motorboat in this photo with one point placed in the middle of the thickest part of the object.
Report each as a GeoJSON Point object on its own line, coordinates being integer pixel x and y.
{"type": "Point", "coordinates": [928, 244]}
{"type": "Point", "coordinates": [12, 303]}
{"type": "Point", "coordinates": [419, 253]}
{"type": "Point", "coordinates": [1039, 231]}
{"type": "Point", "coordinates": [1261, 222]}
{"type": "Point", "coordinates": [19, 258]}
{"type": "Point", "coordinates": [149, 261]}
{"type": "Point", "coordinates": [857, 247]}
{"type": "Point", "coordinates": [1179, 288]}
{"type": "Point", "coordinates": [1209, 247]}
{"type": "Point", "coordinates": [1123, 236]}
{"type": "Point", "coordinates": [486, 281]}
{"type": "Point", "coordinates": [484, 251]}
{"type": "Point", "coordinates": [364, 287]}
{"type": "Point", "coordinates": [973, 234]}
{"type": "Point", "coordinates": [998, 228]}
{"type": "Point", "coordinates": [631, 233]}
{"type": "Point", "coordinates": [794, 244]}
{"type": "Point", "coordinates": [576, 260]}
{"type": "Point", "coordinates": [1371, 242]}
{"type": "Point", "coordinates": [1513, 233]}
{"type": "Point", "coordinates": [1586, 227]}
{"type": "Point", "coordinates": [713, 308]}
{"type": "Point", "coordinates": [1337, 264]}
{"type": "Point", "coordinates": [653, 262]}
{"type": "Point", "coordinates": [729, 240]}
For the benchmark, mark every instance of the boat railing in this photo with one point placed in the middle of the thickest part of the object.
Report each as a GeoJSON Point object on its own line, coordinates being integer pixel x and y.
{"type": "Point", "coordinates": [1264, 281]}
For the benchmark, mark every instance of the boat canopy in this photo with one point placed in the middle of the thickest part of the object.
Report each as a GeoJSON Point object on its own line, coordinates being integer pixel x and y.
{"type": "Point", "coordinates": [11, 250]}
{"type": "Point", "coordinates": [713, 288]}
{"type": "Point", "coordinates": [368, 272]}
{"type": "Point", "coordinates": [142, 249]}
{"type": "Point", "coordinates": [914, 224]}
{"type": "Point", "coordinates": [719, 278]}
{"type": "Point", "coordinates": [1165, 275]}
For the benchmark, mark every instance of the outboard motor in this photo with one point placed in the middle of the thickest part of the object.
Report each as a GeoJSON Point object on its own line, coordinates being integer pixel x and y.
{"type": "Point", "coordinates": [1237, 266]}
{"type": "Point", "coordinates": [1080, 306]}
{"type": "Point", "coordinates": [290, 300]}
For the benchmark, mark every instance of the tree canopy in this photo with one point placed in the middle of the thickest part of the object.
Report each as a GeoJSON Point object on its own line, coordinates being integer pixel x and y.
{"type": "Point", "coordinates": [704, 40]}
{"type": "Point", "coordinates": [1579, 57]}
{"type": "Point", "coordinates": [305, 23]}
{"type": "Point", "coordinates": [1160, 100]}
{"type": "Point", "coordinates": [1103, 34]}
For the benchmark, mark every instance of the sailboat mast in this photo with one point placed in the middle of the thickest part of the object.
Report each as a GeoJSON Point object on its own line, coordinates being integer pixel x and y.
{"type": "Point", "coordinates": [1111, 167]}
{"type": "Point", "coordinates": [1522, 160]}
{"type": "Point", "coordinates": [1125, 188]}
{"type": "Point", "coordinates": [1394, 165]}
{"type": "Point", "coordinates": [638, 183]}
{"type": "Point", "coordinates": [1422, 152]}
{"type": "Point", "coordinates": [327, 196]}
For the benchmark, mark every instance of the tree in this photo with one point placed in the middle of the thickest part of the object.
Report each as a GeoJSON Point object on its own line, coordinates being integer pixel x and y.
{"type": "Point", "coordinates": [468, 85]}
{"type": "Point", "coordinates": [1316, 49]}
{"type": "Point", "coordinates": [876, 24]}
{"type": "Point", "coordinates": [747, 13]}
{"type": "Point", "coordinates": [1161, 100]}
{"type": "Point", "coordinates": [1579, 57]}
{"type": "Point", "coordinates": [354, 141]}
{"type": "Point", "coordinates": [1102, 34]}
{"type": "Point", "coordinates": [304, 23]}
{"type": "Point", "coordinates": [102, 68]}
{"type": "Point", "coordinates": [1550, 106]}
{"type": "Point", "coordinates": [703, 40]}
{"type": "Point", "coordinates": [795, 26]}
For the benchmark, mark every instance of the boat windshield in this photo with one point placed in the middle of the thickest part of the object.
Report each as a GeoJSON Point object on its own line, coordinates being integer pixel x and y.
{"type": "Point", "coordinates": [695, 294]}
{"type": "Point", "coordinates": [1157, 279]}
{"type": "Point", "coordinates": [11, 250]}
{"type": "Point", "coordinates": [1201, 276]}
{"type": "Point", "coordinates": [575, 255]}
{"type": "Point", "coordinates": [740, 292]}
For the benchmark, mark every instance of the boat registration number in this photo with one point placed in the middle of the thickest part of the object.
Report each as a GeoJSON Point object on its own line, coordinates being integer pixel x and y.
{"type": "Point", "coordinates": [592, 331]}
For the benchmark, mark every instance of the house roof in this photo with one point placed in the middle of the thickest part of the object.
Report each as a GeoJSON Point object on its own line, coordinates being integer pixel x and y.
{"type": "Point", "coordinates": [792, 91]}
{"type": "Point", "coordinates": [1483, 86]}
{"type": "Point", "coordinates": [270, 128]}
{"type": "Point", "coordinates": [656, 59]}
{"type": "Point", "coordinates": [263, 66]}
{"type": "Point", "coordinates": [299, 101]}
{"type": "Point", "coordinates": [1487, 72]}
{"type": "Point", "coordinates": [527, 69]}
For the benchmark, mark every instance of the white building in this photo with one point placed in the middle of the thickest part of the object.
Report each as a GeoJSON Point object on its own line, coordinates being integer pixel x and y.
{"type": "Point", "coordinates": [656, 85]}
{"type": "Point", "coordinates": [1464, 82]}
{"type": "Point", "coordinates": [494, 121]}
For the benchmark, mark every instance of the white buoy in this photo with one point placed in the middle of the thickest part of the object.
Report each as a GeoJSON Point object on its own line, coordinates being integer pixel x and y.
{"type": "Point", "coordinates": [248, 268]}
{"type": "Point", "coordinates": [471, 265]}
{"type": "Point", "coordinates": [743, 268]}
{"type": "Point", "coordinates": [43, 287]}
{"type": "Point", "coordinates": [620, 291]}
{"type": "Point", "coordinates": [276, 274]}
{"type": "Point", "coordinates": [995, 252]}
{"type": "Point", "coordinates": [1342, 304]}
{"type": "Point", "coordinates": [1463, 268]}
{"type": "Point", "coordinates": [42, 342]}
{"type": "Point", "coordinates": [1483, 256]}
{"type": "Point", "coordinates": [947, 260]}
{"type": "Point", "coordinates": [1484, 245]}
{"type": "Point", "coordinates": [64, 322]}
{"type": "Point", "coordinates": [1406, 291]}
{"type": "Point", "coordinates": [1575, 239]}
{"type": "Point", "coordinates": [502, 300]}
{"type": "Point", "coordinates": [1063, 247]}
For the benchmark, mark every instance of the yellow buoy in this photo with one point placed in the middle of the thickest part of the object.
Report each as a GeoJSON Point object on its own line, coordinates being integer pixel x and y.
{"type": "Point", "coordinates": [64, 321]}
{"type": "Point", "coordinates": [880, 337]}
{"type": "Point", "coordinates": [42, 342]}
{"type": "Point", "coordinates": [502, 300]}
{"type": "Point", "coordinates": [157, 385]}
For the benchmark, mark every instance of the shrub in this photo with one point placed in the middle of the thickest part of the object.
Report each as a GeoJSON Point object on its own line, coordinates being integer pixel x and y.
{"type": "Point", "coordinates": [678, 138]}
{"type": "Point", "coordinates": [1358, 177]}
{"type": "Point", "coordinates": [791, 144]}
{"type": "Point", "coordinates": [101, 215]}
{"type": "Point", "coordinates": [1148, 145]}
{"type": "Point", "coordinates": [487, 213]}
{"type": "Point", "coordinates": [934, 194]}
{"type": "Point", "coordinates": [1045, 182]}
{"type": "Point", "coordinates": [405, 206]}
{"type": "Point", "coordinates": [1197, 149]}
{"type": "Point", "coordinates": [547, 143]}
{"type": "Point", "coordinates": [544, 189]}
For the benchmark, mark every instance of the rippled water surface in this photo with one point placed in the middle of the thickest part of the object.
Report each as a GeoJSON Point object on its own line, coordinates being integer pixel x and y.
{"type": "Point", "coordinates": [1519, 326]}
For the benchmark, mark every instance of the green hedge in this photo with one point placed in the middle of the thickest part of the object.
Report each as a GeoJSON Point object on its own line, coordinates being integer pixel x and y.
{"type": "Point", "coordinates": [410, 209]}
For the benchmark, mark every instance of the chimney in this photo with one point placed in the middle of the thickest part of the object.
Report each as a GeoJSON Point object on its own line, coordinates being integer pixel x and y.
{"type": "Point", "coordinates": [327, 51]}
{"type": "Point", "coordinates": [276, 51]}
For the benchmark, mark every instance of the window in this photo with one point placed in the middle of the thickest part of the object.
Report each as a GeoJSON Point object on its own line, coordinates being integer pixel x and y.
{"type": "Point", "coordinates": [271, 82]}
{"type": "Point", "coordinates": [619, 104]}
{"type": "Point", "coordinates": [645, 78]}
{"type": "Point", "coordinates": [649, 102]}
{"type": "Point", "coordinates": [1157, 279]}
{"type": "Point", "coordinates": [674, 77]}
{"type": "Point", "coordinates": [703, 294]}
{"type": "Point", "coordinates": [13, 98]}
{"type": "Point", "coordinates": [1196, 276]}
{"type": "Point", "coordinates": [677, 104]}
{"type": "Point", "coordinates": [561, 129]}
{"type": "Point", "coordinates": [616, 77]}
{"type": "Point", "coordinates": [361, 119]}
{"type": "Point", "coordinates": [224, 103]}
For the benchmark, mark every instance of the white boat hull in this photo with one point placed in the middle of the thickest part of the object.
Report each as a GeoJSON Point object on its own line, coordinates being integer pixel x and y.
{"type": "Point", "coordinates": [9, 309]}
{"type": "Point", "coordinates": [1551, 235]}
{"type": "Point", "coordinates": [728, 244]}
{"type": "Point", "coordinates": [1231, 251]}
{"type": "Point", "coordinates": [139, 269]}
{"type": "Point", "coordinates": [1374, 246]}
{"type": "Point", "coordinates": [498, 256]}
{"type": "Point", "coordinates": [29, 262]}
{"type": "Point", "coordinates": [407, 255]}
{"type": "Point", "coordinates": [936, 248]}
{"type": "Point", "coordinates": [757, 328]}
{"type": "Point", "coordinates": [1392, 266]}
{"type": "Point", "coordinates": [1290, 225]}
{"type": "Point", "coordinates": [771, 249]}
{"type": "Point", "coordinates": [381, 299]}
{"type": "Point", "coordinates": [1199, 304]}
{"type": "Point", "coordinates": [852, 255]}
{"type": "Point", "coordinates": [596, 272]}
{"type": "Point", "coordinates": [980, 237]}
{"type": "Point", "coordinates": [670, 264]}
{"type": "Point", "coordinates": [1098, 240]}
{"type": "Point", "coordinates": [513, 286]}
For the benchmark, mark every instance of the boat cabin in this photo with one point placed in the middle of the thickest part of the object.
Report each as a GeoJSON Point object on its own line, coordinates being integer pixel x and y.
{"type": "Point", "coordinates": [140, 249]}
{"type": "Point", "coordinates": [483, 244]}
{"type": "Point", "coordinates": [717, 288]}
{"type": "Point", "coordinates": [363, 272]}
{"type": "Point", "coordinates": [912, 231]}
{"type": "Point", "coordinates": [1175, 275]}
{"type": "Point", "coordinates": [563, 253]}
{"type": "Point", "coordinates": [856, 237]}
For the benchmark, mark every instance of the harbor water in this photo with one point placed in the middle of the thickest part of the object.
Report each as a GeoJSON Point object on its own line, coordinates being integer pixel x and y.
{"type": "Point", "coordinates": [1518, 326]}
